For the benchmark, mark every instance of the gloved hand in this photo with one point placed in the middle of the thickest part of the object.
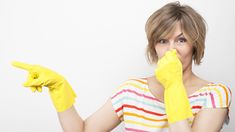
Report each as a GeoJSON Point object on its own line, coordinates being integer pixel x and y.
{"type": "Point", "coordinates": [169, 73]}
{"type": "Point", "coordinates": [61, 93]}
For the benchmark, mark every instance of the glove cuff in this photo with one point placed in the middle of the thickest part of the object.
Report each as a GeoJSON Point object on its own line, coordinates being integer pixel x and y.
{"type": "Point", "coordinates": [63, 97]}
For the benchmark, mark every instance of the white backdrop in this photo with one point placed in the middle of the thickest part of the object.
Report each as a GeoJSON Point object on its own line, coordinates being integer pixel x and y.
{"type": "Point", "coordinates": [96, 45]}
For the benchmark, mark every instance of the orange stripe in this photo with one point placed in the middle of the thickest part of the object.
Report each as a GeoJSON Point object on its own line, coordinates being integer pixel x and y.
{"type": "Point", "coordinates": [140, 81]}
{"type": "Point", "coordinates": [132, 114]}
{"type": "Point", "coordinates": [134, 85]}
{"type": "Point", "coordinates": [146, 118]}
{"type": "Point", "coordinates": [226, 92]}
{"type": "Point", "coordinates": [146, 125]}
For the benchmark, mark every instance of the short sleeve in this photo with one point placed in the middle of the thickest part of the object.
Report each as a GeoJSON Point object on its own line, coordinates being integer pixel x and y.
{"type": "Point", "coordinates": [218, 96]}
{"type": "Point", "coordinates": [118, 99]}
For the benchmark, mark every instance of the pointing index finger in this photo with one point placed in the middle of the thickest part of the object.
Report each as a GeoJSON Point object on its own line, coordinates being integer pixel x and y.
{"type": "Point", "coordinates": [22, 65]}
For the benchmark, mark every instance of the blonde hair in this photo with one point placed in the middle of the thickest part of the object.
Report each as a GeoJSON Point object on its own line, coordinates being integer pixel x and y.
{"type": "Point", "coordinates": [162, 22]}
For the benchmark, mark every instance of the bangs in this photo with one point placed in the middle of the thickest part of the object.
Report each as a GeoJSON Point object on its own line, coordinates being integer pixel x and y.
{"type": "Point", "coordinates": [165, 29]}
{"type": "Point", "coordinates": [189, 30]}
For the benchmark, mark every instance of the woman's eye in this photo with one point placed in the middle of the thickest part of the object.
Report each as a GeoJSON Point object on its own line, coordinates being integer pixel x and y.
{"type": "Point", "coordinates": [162, 41]}
{"type": "Point", "coordinates": [182, 40]}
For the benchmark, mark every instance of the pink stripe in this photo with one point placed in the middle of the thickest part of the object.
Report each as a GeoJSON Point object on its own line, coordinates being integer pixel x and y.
{"type": "Point", "coordinates": [132, 91]}
{"type": "Point", "coordinates": [200, 94]}
{"type": "Point", "coordinates": [212, 100]}
{"type": "Point", "coordinates": [134, 130]}
{"type": "Point", "coordinates": [139, 108]}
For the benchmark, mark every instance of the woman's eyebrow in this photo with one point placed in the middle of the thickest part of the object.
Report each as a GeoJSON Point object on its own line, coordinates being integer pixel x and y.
{"type": "Point", "coordinates": [179, 35]}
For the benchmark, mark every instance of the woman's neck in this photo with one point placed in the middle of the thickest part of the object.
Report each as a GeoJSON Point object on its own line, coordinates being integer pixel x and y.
{"type": "Point", "coordinates": [188, 76]}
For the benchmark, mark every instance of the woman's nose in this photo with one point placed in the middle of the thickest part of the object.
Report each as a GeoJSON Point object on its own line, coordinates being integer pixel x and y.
{"type": "Point", "coordinates": [172, 45]}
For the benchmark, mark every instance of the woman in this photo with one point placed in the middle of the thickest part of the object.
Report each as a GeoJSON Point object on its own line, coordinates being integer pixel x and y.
{"type": "Point", "coordinates": [174, 99]}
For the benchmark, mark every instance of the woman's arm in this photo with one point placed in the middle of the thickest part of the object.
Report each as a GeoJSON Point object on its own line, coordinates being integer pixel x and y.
{"type": "Point", "coordinates": [207, 120]}
{"type": "Point", "coordinates": [105, 119]}
{"type": "Point", "coordinates": [63, 98]}
{"type": "Point", "coordinates": [70, 120]}
{"type": "Point", "coordinates": [180, 126]}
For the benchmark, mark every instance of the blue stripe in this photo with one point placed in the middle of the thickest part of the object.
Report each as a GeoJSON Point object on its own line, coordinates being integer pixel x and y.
{"type": "Point", "coordinates": [138, 101]}
{"type": "Point", "coordinates": [199, 100]}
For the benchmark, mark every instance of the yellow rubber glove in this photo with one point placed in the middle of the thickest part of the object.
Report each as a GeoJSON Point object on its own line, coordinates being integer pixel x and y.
{"type": "Point", "coordinates": [61, 93]}
{"type": "Point", "coordinates": [169, 73]}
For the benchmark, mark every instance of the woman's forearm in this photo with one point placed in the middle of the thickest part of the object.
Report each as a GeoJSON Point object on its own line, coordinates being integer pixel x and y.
{"type": "Point", "coordinates": [71, 121]}
{"type": "Point", "coordinates": [180, 126]}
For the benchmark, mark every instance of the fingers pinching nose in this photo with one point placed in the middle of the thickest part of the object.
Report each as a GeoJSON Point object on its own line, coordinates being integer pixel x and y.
{"type": "Point", "coordinates": [171, 53]}
{"type": "Point", "coordinates": [174, 51]}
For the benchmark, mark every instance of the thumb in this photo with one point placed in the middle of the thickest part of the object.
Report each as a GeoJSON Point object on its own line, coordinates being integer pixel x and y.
{"type": "Point", "coordinates": [33, 83]}
{"type": "Point", "coordinates": [34, 89]}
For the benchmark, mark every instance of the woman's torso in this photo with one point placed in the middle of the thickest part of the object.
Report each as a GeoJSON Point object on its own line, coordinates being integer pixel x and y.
{"type": "Point", "coordinates": [139, 103]}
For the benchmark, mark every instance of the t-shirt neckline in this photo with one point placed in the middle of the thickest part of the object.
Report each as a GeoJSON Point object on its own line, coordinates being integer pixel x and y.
{"type": "Point", "coordinates": [147, 87]}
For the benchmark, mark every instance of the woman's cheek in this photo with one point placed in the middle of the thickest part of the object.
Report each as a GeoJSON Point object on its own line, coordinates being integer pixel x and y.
{"type": "Point", "coordinates": [159, 54]}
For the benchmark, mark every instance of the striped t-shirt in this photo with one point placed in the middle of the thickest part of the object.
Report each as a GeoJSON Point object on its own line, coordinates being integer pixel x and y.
{"type": "Point", "coordinates": [141, 111]}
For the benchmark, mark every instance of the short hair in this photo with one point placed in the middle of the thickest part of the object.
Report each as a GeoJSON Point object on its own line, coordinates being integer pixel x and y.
{"type": "Point", "coordinates": [162, 22]}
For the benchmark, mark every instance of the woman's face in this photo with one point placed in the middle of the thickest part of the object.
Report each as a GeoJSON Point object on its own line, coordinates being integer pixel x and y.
{"type": "Point", "coordinates": [176, 41]}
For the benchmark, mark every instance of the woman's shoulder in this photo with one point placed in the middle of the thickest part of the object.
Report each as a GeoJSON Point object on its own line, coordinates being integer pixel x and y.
{"type": "Point", "coordinates": [218, 93]}
{"type": "Point", "coordinates": [131, 86]}
{"type": "Point", "coordinates": [217, 86]}
{"type": "Point", "coordinates": [138, 79]}
{"type": "Point", "coordinates": [135, 81]}
{"type": "Point", "coordinates": [209, 86]}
